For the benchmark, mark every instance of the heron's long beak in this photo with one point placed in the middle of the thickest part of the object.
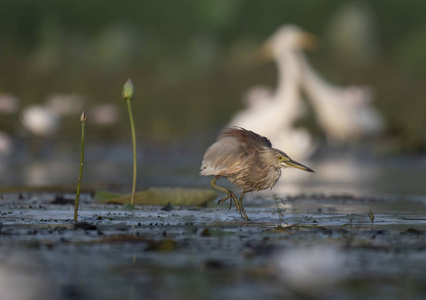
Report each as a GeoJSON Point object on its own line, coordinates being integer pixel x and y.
{"type": "Point", "coordinates": [295, 164]}
{"type": "Point", "coordinates": [263, 53]}
{"type": "Point", "coordinates": [308, 41]}
{"type": "Point", "coordinates": [305, 41]}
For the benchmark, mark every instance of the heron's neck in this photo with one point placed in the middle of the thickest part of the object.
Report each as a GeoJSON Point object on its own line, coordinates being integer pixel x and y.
{"type": "Point", "coordinates": [313, 83]}
{"type": "Point", "coordinates": [289, 73]}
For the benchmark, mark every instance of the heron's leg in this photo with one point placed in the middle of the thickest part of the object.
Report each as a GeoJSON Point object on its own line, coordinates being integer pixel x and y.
{"type": "Point", "coordinates": [224, 199]}
{"type": "Point", "coordinates": [234, 198]}
{"type": "Point", "coordinates": [242, 211]}
{"type": "Point", "coordinates": [230, 196]}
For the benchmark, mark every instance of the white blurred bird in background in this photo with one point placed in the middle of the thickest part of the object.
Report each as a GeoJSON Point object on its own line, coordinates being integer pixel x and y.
{"type": "Point", "coordinates": [274, 114]}
{"type": "Point", "coordinates": [344, 113]}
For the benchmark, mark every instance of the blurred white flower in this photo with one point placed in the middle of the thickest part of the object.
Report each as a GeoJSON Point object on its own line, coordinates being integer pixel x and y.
{"type": "Point", "coordinates": [311, 270]}
{"type": "Point", "coordinates": [104, 114]}
{"type": "Point", "coordinates": [65, 104]}
{"type": "Point", "coordinates": [8, 103]}
{"type": "Point", "coordinates": [40, 121]}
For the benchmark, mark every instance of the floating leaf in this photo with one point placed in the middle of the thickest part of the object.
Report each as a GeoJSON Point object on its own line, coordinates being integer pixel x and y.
{"type": "Point", "coordinates": [104, 196]}
{"type": "Point", "coordinates": [162, 196]}
{"type": "Point", "coordinates": [128, 207]}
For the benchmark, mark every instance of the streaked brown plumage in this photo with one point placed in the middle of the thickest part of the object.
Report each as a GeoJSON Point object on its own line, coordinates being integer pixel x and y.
{"type": "Point", "coordinates": [247, 160]}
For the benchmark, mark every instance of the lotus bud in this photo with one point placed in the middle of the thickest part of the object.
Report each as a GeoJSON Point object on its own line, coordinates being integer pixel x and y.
{"type": "Point", "coordinates": [83, 117]}
{"type": "Point", "coordinates": [128, 90]}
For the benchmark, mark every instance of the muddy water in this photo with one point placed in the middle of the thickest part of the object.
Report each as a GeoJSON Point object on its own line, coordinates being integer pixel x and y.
{"type": "Point", "coordinates": [301, 246]}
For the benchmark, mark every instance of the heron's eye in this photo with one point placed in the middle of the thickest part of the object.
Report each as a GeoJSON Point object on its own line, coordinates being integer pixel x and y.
{"type": "Point", "coordinates": [282, 158]}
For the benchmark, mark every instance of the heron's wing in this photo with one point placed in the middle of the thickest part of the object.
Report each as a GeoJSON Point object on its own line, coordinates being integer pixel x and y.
{"type": "Point", "coordinates": [231, 152]}
{"type": "Point", "coordinates": [225, 157]}
{"type": "Point", "coordinates": [247, 138]}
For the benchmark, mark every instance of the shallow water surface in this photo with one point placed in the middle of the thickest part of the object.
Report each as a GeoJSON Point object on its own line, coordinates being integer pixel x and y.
{"type": "Point", "coordinates": [194, 252]}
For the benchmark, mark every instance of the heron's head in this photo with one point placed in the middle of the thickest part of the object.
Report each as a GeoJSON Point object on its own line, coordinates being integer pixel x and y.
{"type": "Point", "coordinates": [284, 161]}
{"type": "Point", "coordinates": [286, 38]}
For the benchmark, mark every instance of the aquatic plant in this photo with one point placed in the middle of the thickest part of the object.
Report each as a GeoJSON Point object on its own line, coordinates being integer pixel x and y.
{"type": "Point", "coordinates": [77, 195]}
{"type": "Point", "coordinates": [280, 211]}
{"type": "Point", "coordinates": [128, 92]}
{"type": "Point", "coordinates": [372, 217]}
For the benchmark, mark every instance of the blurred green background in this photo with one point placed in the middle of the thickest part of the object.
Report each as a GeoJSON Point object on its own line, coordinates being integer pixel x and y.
{"type": "Point", "coordinates": [190, 63]}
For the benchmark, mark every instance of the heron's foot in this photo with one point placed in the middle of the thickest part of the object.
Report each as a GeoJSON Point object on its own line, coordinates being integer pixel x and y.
{"type": "Point", "coordinates": [231, 198]}
{"type": "Point", "coordinates": [243, 214]}
{"type": "Point", "coordinates": [242, 210]}
{"type": "Point", "coordinates": [224, 199]}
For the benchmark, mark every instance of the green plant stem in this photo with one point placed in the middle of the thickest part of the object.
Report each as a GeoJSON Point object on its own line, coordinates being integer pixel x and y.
{"type": "Point", "coordinates": [129, 106]}
{"type": "Point", "coordinates": [77, 196]}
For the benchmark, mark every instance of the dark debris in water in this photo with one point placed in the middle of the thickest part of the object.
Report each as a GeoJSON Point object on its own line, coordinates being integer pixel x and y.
{"type": "Point", "coordinates": [212, 264]}
{"type": "Point", "coordinates": [85, 226]}
{"type": "Point", "coordinates": [168, 207]}
{"type": "Point", "coordinates": [413, 231]}
{"type": "Point", "coordinates": [61, 200]}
